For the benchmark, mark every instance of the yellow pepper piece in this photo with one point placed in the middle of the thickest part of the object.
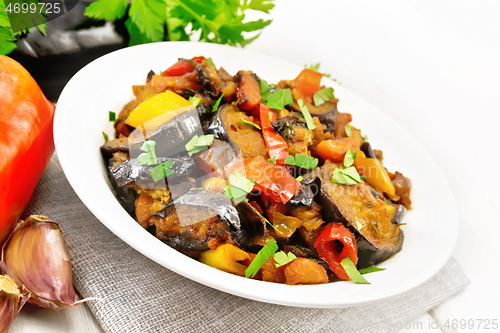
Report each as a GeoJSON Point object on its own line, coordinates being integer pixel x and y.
{"type": "Point", "coordinates": [158, 110]}
{"type": "Point", "coordinates": [375, 174]}
{"type": "Point", "coordinates": [226, 258]}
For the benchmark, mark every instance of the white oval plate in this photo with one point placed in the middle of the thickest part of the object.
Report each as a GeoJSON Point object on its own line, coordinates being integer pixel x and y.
{"type": "Point", "coordinates": [106, 84]}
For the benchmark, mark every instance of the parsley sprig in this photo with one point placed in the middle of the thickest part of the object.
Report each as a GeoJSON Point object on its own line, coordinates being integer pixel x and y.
{"type": "Point", "coordinates": [349, 175]}
{"type": "Point", "coordinates": [239, 186]}
{"type": "Point", "coordinates": [352, 271]}
{"type": "Point", "coordinates": [149, 155]}
{"type": "Point", "coordinates": [199, 143]}
{"type": "Point", "coordinates": [250, 123]}
{"type": "Point", "coordinates": [307, 116]}
{"type": "Point", "coordinates": [162, 171]}
{"type": "Point", "coordinates": [260, 259]}
{"type": "Point", "coordinates": [279, 99]}
{"type": "Point", "coordinates": [195, 100]}
{"type": "Point", "coordinates": [323, 96]}
{"type": "Point", "coordinates": [214, 21]}
{"type": "Point", "coordinates": [283, 258]}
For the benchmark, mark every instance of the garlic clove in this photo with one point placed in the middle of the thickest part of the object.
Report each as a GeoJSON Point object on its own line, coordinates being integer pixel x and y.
{"type": "Point", "coordinates": [12, 300]}
{"type": "Point", "coordinates": [36, 256]}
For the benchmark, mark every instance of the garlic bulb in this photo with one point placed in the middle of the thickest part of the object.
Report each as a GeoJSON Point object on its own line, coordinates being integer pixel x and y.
{"type": "Point", "coordinates": [11, 301]}
{"type": "Point", "coordinates": [36, 256]}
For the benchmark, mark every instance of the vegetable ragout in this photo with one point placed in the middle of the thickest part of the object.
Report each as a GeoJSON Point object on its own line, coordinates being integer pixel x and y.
{"type": "Point", "coordinates": [266, 181]}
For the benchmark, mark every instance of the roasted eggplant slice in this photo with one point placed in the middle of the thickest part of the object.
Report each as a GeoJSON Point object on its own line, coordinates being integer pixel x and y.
{"type": "Point", "coordinates": [113, 146]}
{"type": "Point", "coordinates": [190, 221]}
{"type": "Point", "coordinates": [129, 172]}
{"type": "Point", "coordinates": [227, 126]}
{"type": "Point", "coordinates": [326, 112]}
{"type": "Point", "coordinates": [364, 215]}
{"type": "Point", "coordinates": [172, 136]}
{"type": "Point", "coordinates": [253, 223]}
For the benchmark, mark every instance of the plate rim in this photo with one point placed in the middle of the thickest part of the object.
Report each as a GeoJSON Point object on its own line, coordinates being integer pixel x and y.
{"type": "Point", "coordinates": [59, 137]}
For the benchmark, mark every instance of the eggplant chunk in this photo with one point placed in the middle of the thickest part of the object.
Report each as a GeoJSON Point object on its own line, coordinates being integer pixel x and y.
{"type": "Point", "coordinates": [170, 137]}
{"type": "Point", "coordinates": [227, 126]}
{"type": "Point", "coordinates": [367, 149]}
{"type": "Point", "coordinates": [129, 172]}
{"type": "Point", "coordinates": [354, 205]}
{"type": "Point", "coordinates": [326, 112]}
{"type": "Point", "coordinates": [253, 223]}
{"type": "Point", "coordinates": [113, 146]}
{"type": "Point", "coordinates": [190, 221]}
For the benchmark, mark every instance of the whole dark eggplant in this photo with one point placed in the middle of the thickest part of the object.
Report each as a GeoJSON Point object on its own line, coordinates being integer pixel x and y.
{"type": "Point", "coordinates": [354, 205]}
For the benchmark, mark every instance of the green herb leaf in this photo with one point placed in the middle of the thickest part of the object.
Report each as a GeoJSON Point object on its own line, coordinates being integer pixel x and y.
{"type": "Point", "coordinates": [261, 5]}
{"type": "Point", "coordinates": [307, 116]}
{"type": "Point", "coordinates": [315, 67]}
{"type": "Point", "coordinates": [105, 136]}
{"type": "Point", "coordinates": [352, 271]}
{"type": "Point", "coordinates": [283, 258]}
{"type": "Point", "coordinates": [149, 16]}
{"type": "Point", "coordinates": [216, 105]}
{"type": "Point", "coordinates": [236, 179]}
{"type": "Point", "coordinates": [235, 193]}
{"type": "Point", "coordinates": [347, 176]}
{"type": "Point", "coordinates": [195, 100]}
{"type": "Point", "coordinates": [149, 155]}
{"type": "Point", "coordinates": [302, 161]}
{"type": "Point", "coordinates": [359, 226]}
{"type": "Point", "coordinates": [365, 138]}
{"type": "Point", "coordinates": [250, 123]}
{"type": "Point", "coordinates": [349, 158]}
{"type": "Point", "coordinates": [299, 178]}
{"type": "Point", "coordinates": [260, 259]}
{"type": "Point", "coordinates": [161, 171]}
{"type": "Point", "coordinates": [348, 130]}
{"type": "Point", "coordinates": [279, 98]}
{"type": "Point", "coordinates": [370, 269]}
{"type": "Point", "coordinates": [273, 160]}
{"type": "Point", "coordinates": [107, 10]}
{"type": "Point", "coordinates": [211, 62]}
{"type": "Point", "coordinates": [265, 90]}
{"type": "Point", "coordinates": [112, 116]}
{"type": "Point", "coordinates": [197, 144]}
{"type": "Point", "coordinates": [22, 22]}
{"type": "Point", "coordinates": [322, 96]}
{"type": "Point", "coordinates": [7, 44]}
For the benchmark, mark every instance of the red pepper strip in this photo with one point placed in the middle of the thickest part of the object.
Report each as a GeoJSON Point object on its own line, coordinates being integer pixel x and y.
{"type": "Point", "coordinates": [325, 246]}
{"type": "Point", "coordinates": [198, 59]}
{"type": "Point", "coordinates": [26, 140]}
{"type": "Point", "coordinates": [271, 179]}
{"type": "Point", "coordinates": [276, 145]}
{"type": "Point", "coordinates": [181, 67]}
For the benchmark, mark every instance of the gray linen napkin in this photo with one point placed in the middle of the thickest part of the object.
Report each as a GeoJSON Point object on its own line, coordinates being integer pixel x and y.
{"type": "Point", "coordinates": [138, 295]}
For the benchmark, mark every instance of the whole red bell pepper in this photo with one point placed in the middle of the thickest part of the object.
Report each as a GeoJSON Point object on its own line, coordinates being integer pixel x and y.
{"type": "Point", "coordinates": [276, 145]}
{"type": "Point", "coordinates": [326, 247]}
{"type": "Point", "coordinates": [26, 140]}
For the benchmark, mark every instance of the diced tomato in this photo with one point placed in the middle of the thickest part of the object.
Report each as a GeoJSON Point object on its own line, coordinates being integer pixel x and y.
{"type": "Point", "coordinates": [198, 59]}
{"type": "Point", "coordinates": [180, 68]}
{"type": "Point", "coordinates": [271, 179]}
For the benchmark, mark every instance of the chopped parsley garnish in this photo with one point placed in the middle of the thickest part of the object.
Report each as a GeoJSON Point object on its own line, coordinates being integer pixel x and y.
{"type": "Point", "coordinates": [260, 259]}
{"type": "Point", "coordinates": [197, 144]}
{"type": "Point", "coordinates": [195, 100]}
{"type": "Point", "coordinates": [299, 178]}
{"type": "Point", "coordinates": [352, 271]}
{"type": "Point", "coordinates": [250, 123]}
{"type": "Point", "coordinates": [349, 158]}
{"type": "Point", "coordinates": [268, 222]}
{"type": "Point", "coordinates": [161, 171]}
{"type": "Point", "coordinates": [302, 161]}
{"type": "Point", "coordinates": [272, 160]}
{"type": "Point", "coordinates": [307, 116]}
{"type": "Point", "coordinates": [149, 155]}
{"type": "Point", "coordinates": [279, 98]}
{"type": "Point", "coordinates": [216, 105]}
{"type": "Point", "coordinates": [105, 136]}
{"type": "Point", "coordinates": [347, 176]}
{"type": "Point", "coordinates": [239, 186]}
{"type": "Point", "coordinates": [283, 258]}
{"type": "Point", "coordinates": [323, 96]}
{"type": "Point", "coordinates": [359, 226]}
{"type": "Point", "coordinates": [315, 67]}
{"type": "Point", "coordinates": [370, 269]}
{"type": "Point", "coordinates": [211, 62]}
{"type": "Point", "coordinates": [112, 116]}
{"type": "Point", "coordinates": [365, 138]}
{"type": "Point", "coordinates": [348, 130]}
{"type": "Point", "coordinates": [265, 90]}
